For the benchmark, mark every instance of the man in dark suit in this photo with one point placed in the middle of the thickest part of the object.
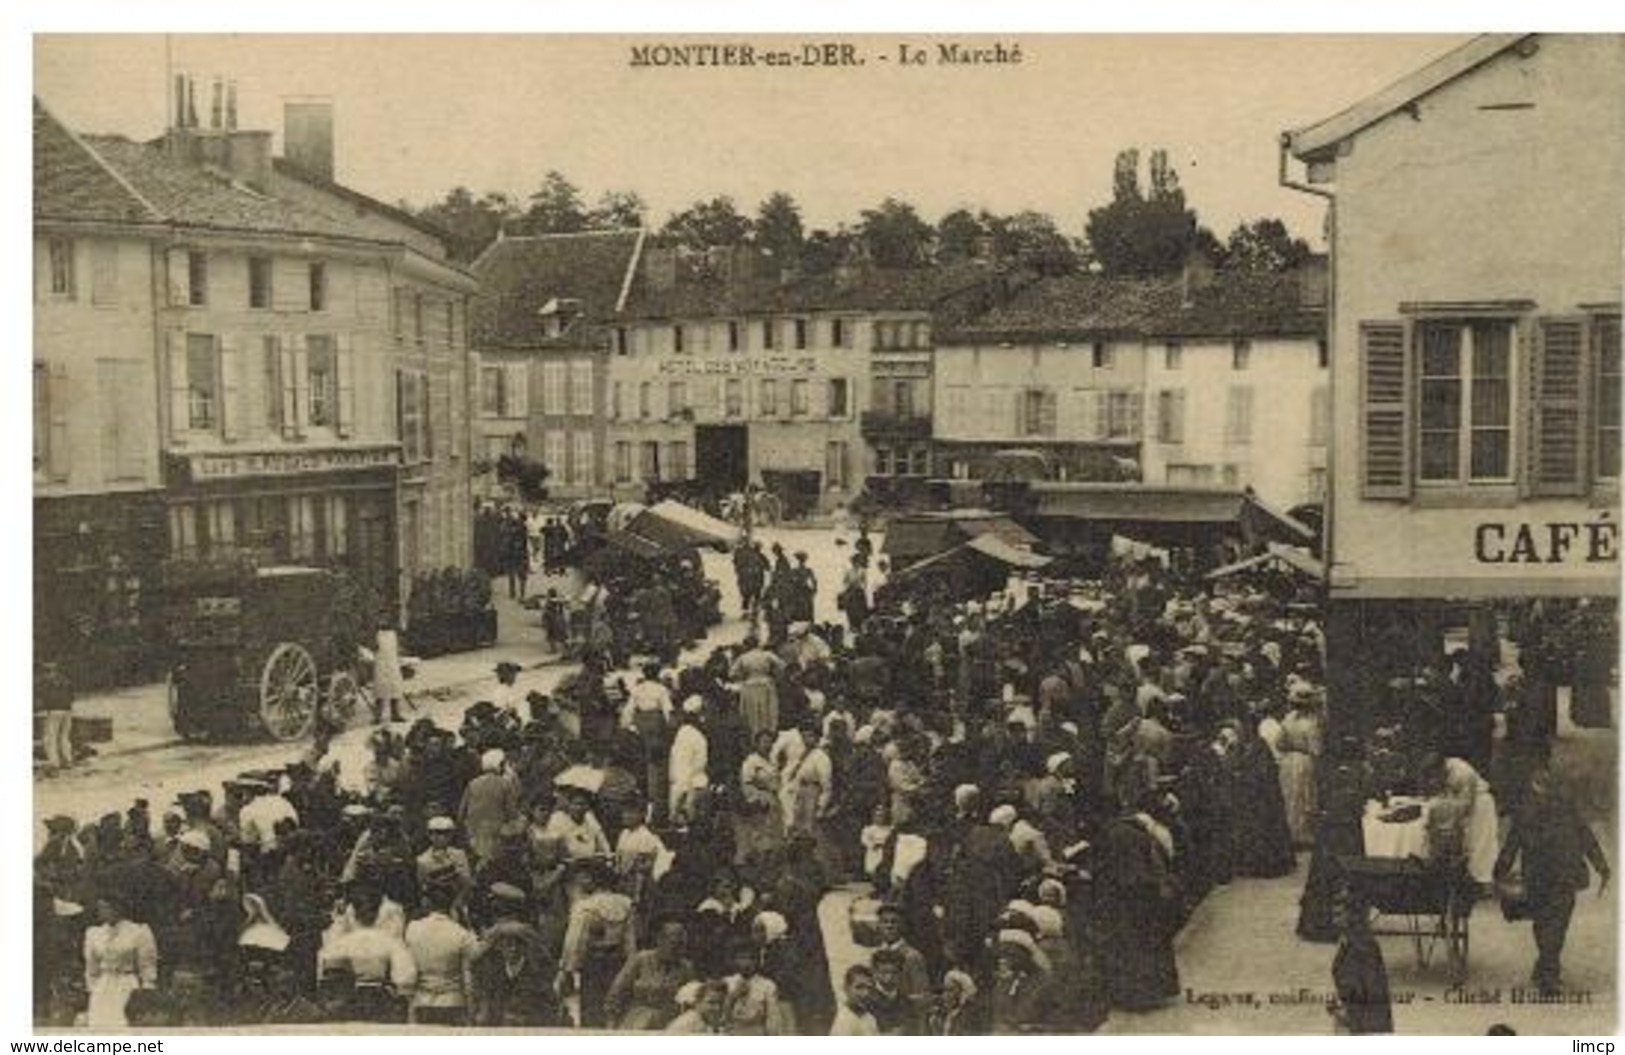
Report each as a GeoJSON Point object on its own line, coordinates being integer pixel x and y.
{"type": "Point", "coordinates": [1558, 852]}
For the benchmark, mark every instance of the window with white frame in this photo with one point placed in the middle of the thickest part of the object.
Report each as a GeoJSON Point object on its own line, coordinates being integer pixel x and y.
{"type": "Point", "coordinates": [800, 332]}
{"type": "Point", "coordinates": [768, 398]}
{"type": "Point", "coordinates": [678, 339]}
{"type": "Point", "coordinates": [259, 282]}
{"type": "Point", "coordinates": [555, 387]}
{"type": "Point", "coordinates": [555, 451]}
{"type": "Point", "coordinates": [202, 382]}
{"type": "Point", "coordinates": [322, 373]}
{"type": "Point", "coordinates": [623, 462]}
{"type": "Point", "coordinates": [734, 337]}
{"type": "Point", "coordinates": [581, 387]}
{"type": "Point", "coordinates": [1122, 417]}
{"type": "Point", "coordinates": [1465, 390]}
{"type": "Point", "coordinates": [581, 458]}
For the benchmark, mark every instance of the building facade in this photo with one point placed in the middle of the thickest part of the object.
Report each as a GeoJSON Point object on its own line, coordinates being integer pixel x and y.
{"type": "Point", "coordinates": [543, 327]}
{"type": "Point", "coordinates": [1475, 337]}
{"type": "Point", "coordinates": [305, 375]}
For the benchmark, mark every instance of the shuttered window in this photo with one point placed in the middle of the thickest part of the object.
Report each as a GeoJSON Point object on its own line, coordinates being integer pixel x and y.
{"type": "Point", "coordinates": [623, 462]}
{"type": "Point", "coordinates": [581, 388]}
{"type": "Point", "coordinates": [1238, 415]}
{"type": "Point", "coordinates": [1384, 410]}
{"type": "Point", "coordinates": [1606, 335]}
{"type": "Point", "coordinates": [1036, 412]}
{"type": "Point", "coordinates": [1171, 416]}
{"type": "Point", "coordinates": [322, 373]}
{"type": "Point", "coordinates": [202, 382]}
{"type": "Point", "coordinates": [1557, 447]}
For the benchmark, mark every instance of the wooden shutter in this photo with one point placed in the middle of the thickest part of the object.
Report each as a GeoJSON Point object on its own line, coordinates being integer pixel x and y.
{"type": "Point", "coordinates": [60, 461]}
{"type": "Point", "coordinates": [180, 411]}
{"type": "Point", "coordinates": [295, 386]}
{"type": "Point", "coordinates": [1385, 402]}
{"type": "Point", "coordinates": [344, 365]}
{"type": "Point", "coordinates": [233, 404]}
{"type": "Point", "coordinates": [1559, 361]}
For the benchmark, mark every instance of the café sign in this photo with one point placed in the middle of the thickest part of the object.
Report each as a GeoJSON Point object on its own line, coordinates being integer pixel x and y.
{"type": "Point", "coordinates": [1555, 542]}
{"type": "Point", "coordinates": [230, 465]}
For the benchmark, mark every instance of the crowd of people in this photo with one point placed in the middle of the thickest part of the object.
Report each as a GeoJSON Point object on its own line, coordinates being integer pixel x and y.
{"type": "Point", "coordinates": [1019, 800]}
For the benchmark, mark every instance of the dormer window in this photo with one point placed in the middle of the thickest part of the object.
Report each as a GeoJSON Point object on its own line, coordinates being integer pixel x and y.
{"type": "Point", "coordinates": [558, 314]}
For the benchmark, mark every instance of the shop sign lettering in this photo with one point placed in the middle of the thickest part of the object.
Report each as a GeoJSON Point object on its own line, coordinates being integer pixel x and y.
{"type": "Point", "coordinates": [224, 466]}
{"type": "Point", "coordinates": [1550, 543]}
{"type": "Point", "coordinates": [745, 365]}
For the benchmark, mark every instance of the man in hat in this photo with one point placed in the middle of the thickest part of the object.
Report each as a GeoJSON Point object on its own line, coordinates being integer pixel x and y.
{"type": "Point", "coordinates": [805, 590]}
{"type": "Point", "coordinates": [443, 863]}
{"type": "Point", "coordinates": [490, 802]}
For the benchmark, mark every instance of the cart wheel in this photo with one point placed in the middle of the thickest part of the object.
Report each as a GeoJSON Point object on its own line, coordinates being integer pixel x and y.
{"type": "Point", "coordinates": [343, 701]}
{"type": "Point", "coordinates": [288, 692]}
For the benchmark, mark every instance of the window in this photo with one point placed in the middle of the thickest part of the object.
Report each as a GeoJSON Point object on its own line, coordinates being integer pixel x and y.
{"type": "Point", "coordinates": [623, 462]}
{"type": "Point", "coordinates": [1238, 415]}
{"type": "Point", "coordinates": [104, 273]}
{"type": "Point", "coordinates": [769, 399]}
{"type": "Point", "coordinates": [1171, 416]}
{"type": "Point", "coordinates": [197, 278]}
{"type": "Point", "coordinates": [1183, 475]}
{"type": "Point", "coordinates": [733, 336]}
{"type": "Point", "coordinates": [650, 468]}
{"type": "Point", "coordinates": [581, 401]}
{"type": "Point", "coordinates": [417, 317]}
{"type": "Point", "coordinates": [259, 282]}
{"type": "Point", "coordinates": [733, 398]}
{"type": "Point", "coordinates": [1465, 429]}
{"type": "Point", "coordinates": [555, 385]}
{"type": "Point", "coordinates": [336, 528]}
{"type": "Point", "coordinates": [302, 527]}
{"type": "Point", "coordinates": [799, 398]}
{"type": "Point", "coordinates": [617, 408]}
{"type": "Point", "coordinates": [801, 334]}
{"type": "Point", "coordinates": [677, 339]}
{"type": "Point", "coordinates": [1037, 410]}
{"type": "Point", "coordinates": [919, 461]}
{"type": "Point", "coordinates": [202, 382]}
{"type": "Point", "coordinates": [622, 345]}
{"type": "Point", "coordinates": [491, 400]}
{"type": "Point", "coordinates": [882, 335]}
{"type": "Point", "coordinates": [324, 381]}
{"type": "Point", "coordinates": [921, 333]}
{"type": "Point", "coordinates": [677, 459]}
{"type": "Point", "coordinates": [1241, 354]}
{"type": "Point", "coordinates": [1323, 353]}
{"type": "Point", "coordinates": [838, 397]}
{"type": "Point", "coordinates": [411, 417]}
{"type": "Point", "coordinates": [767, 334]}
{"type": "Point", "coordinates": [835, 465]}
{"type": "Point", "coordinates": [183, 530]}
{"type": "Point", "coordinates": [1100, 354]}
{"type": "Point", "coordinates": [676, 398]}
{"type": "Point", "coordinates": [1319, 415]}
{"type": "Point", "coordinates": [1122, 417]}
{"type": "Point", "coordinates": [555, 449]}
{"type": "Point", "coordinates": [581, 455]}
{"type": "Point", "coordinates": [838, 334]}
{"type": "Point", "coordinates": [1173, 355]}
{"type": "Point", "coordinates": [62, 271]}
{"type": "Point", "coordinates": [271, 378]}
{"type": "Point", "coordinates": [883, 461]}
{"type": "Point", "coordinates": [644, 390]}
{"type": "Point", "coordinates": [903, 399]}
{"type": "Point", "coordinates": [1608, 398]}
{"type": "Point", "coordinates": [318, 291]}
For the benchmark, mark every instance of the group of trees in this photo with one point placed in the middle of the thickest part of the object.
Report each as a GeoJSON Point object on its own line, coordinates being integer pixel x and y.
{"type": "Point", "coordinates": [1141, 231]}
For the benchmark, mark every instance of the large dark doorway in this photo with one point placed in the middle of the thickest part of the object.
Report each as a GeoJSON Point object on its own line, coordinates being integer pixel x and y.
{"type": "Point", "coordinates": [722, 458]}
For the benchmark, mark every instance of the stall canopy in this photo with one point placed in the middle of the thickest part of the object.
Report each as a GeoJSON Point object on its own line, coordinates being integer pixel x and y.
{"type": "Point", "coordinates": [677, 527]}
{"type": "Point", "coordinates": [984, 552]}
{"type": "Point", "coordinates": [991, 545]}
{"type": "Point", "coordinates": [910, 539]}
{"type": "Point", "coordinates": [1282, 558]}
{"type": "Point", "coordinates": [1153, 506]}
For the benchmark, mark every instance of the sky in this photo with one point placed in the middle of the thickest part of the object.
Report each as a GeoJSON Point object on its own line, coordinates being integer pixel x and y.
{"type": "Point", "coordinates": [419, 114]}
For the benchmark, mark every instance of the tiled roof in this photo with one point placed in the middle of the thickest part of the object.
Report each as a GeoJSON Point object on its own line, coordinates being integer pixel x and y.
{"type": "Point", "coordinates": [700, 288]}
{"type": "Point", "coordinates": [290, 170]}
{"type": "Point", "coordinates": [1096, 307]}
{"type": "Point", "coordinates": [71, 183]}
{"type": "Point", "coordinates": [519, 275]}
{"type": "Point", "coordinates": [190, 196]}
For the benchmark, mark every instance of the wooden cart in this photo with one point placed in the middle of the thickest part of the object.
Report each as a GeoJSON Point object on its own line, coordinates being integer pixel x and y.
{"type": "Point", "coordinates": [1415, 899]}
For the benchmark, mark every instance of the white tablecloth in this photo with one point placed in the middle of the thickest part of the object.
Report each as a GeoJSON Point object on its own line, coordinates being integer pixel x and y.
{"type": "Point", "coordinates": [1391, 838]}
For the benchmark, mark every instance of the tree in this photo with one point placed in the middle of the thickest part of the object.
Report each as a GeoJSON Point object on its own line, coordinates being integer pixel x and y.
{"type": "Point", "coordinates": [777, 230]}
{"type": "Point", "coordinates": [895, 236]}
{"type": "Point", "coordinates": [1139, 233]}
{"type": "Point", "coordinates": [1033, 240]}
{"type": "Point", "coordinates": [824, 251]}
{"type": "Point", "coordinates": [470, 223]}
{"type": "Point", "coordinates": [556, 207]}
{"type": "Point", "coordinates": [959, 234]}
{"type": "Point", "coordinates": [707, 223]}
{"type": "Point", "coordinates": [1264, 245]}
{"type": "Point", "coordinates": [616, 210]}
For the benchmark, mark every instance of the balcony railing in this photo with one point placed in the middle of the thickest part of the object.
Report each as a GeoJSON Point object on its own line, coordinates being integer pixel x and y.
{"type": "Point", "coordinates": [890, 423]}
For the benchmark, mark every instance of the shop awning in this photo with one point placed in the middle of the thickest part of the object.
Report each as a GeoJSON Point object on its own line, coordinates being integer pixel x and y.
{"type": "Point", "coordinates": [1282, 557]}
{"type": "Point", "coordinates": [677, 526]}
{"type": "Point", "coordinates": [991, 545]}
{"type": "Point", "coordinates": [1149, 504]}
{"type": "Point", "coordinates": [912, 538]}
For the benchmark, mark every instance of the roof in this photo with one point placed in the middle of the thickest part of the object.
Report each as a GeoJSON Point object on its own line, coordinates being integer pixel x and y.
{"type": "Point", "coordinates": [1282, 557]}
{"type": "Point", "coordinates": [1100, 307]}
{"type": "Point", "coordinates": [519, 275]}
{"type": "Point", "coordinates": [1151, 504]}
{"type": "Point", "coordinates": [918, 535]}
{"type": "Point", "coordinates": [1312, 140]}
{"type": "Point", "coordinates": [742, 283]}
{"type": "Point", "coordinates": [292, 170]}
{"type": "Point", "coordinates": [72, 183]}
{"type": "Point", "coordinates": [190, 196]}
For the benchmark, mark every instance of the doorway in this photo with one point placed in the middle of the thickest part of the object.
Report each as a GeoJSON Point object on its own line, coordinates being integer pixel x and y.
{"type": "Point", "coordinates": [722, 458]}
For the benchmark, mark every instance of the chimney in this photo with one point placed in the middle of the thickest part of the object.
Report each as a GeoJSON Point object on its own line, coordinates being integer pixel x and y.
{"type": "Point", "coordinates": [307, 135]}
{"type": "Point", "coordinates": [1197, 274]}
{"type": "Point", "coordinates": [660, 267]}
{"type": "Point", "coordinates": [217, 105]}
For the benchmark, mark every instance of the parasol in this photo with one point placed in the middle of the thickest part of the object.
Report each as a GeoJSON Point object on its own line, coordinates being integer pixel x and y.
{"type": "Point", "coordinates": [582, 778]}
